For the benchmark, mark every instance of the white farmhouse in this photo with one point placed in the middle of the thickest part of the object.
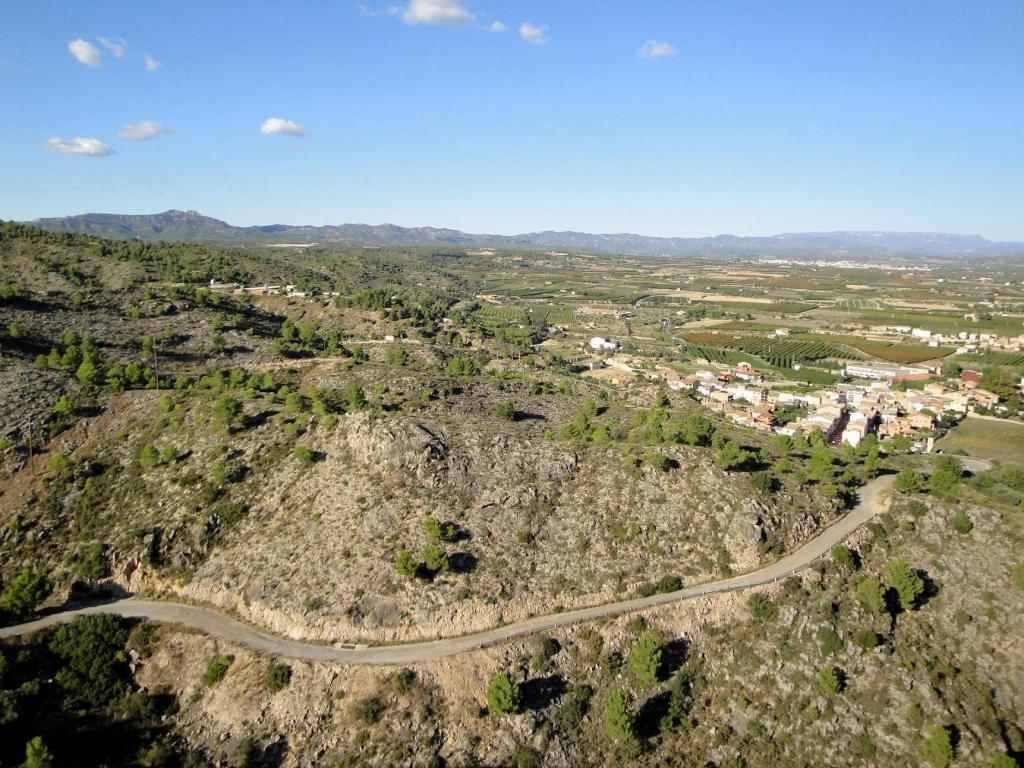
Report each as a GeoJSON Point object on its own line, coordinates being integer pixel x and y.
{"type": "Point", "coordinates": [599, 342]}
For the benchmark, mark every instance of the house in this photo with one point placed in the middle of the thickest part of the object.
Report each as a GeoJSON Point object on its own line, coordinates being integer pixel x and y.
{"type": "Point", "coordinates": [599, 342]}
{"type": "Point", "coordinates": [745, 369]}
{"type": "Point", "coordinates": [985, 398]}
{"type": "Point", "coordinates": [970, 379]}
{"type": "Point", "coordinates": [782, 332]}
{"type": "Point", "coordinates": [897, 428]}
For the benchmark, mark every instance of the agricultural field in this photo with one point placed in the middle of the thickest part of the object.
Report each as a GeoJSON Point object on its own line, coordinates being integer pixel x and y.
{"type": "Point", "coordinates": [1001, 441]}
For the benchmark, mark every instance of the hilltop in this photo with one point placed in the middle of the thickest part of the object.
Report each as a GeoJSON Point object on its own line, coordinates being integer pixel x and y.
{"type": "Point", "coordinates": [191, 226]}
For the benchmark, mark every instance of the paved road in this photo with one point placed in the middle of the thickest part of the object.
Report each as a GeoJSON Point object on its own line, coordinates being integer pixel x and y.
{"type": "Point", "coordinates": [213, 623]}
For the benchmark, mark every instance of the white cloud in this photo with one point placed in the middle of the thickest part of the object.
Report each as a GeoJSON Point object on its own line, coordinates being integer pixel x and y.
{"type": "Point", "coordinates": [116, 47]}
{"type": "Point", "coordinates": [141, 131]}
{"type": "Point", "coordinates": [279, 126]}
{"type": "Point", "coordinates": [531, 33]}
{"type": "Point", "coordinates": [656, 49]}
{"type": "Point", "coordinates": [78, 146]}
{"type": "Point", "coordinates": [497, 26]}
{"type": "Point", "coordinates": [437, 12]}
{"type": "Point", "coordinates": [86, 52]}
{"type": "Point", "coordinates": [151, 64]}
{"type": "Point", "coordinates": [366, 10]}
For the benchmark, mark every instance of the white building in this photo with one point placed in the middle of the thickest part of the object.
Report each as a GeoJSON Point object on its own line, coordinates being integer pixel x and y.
{"type": "Point", "coordinates": [599, 342]}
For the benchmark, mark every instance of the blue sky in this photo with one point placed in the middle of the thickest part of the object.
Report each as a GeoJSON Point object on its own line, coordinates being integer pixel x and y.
{"type": "Point", "coordinates": [656, 117]}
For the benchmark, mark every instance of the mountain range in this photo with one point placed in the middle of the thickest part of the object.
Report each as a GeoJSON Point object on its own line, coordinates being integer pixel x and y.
{"type": "Point", "coordinates": [192, 226]}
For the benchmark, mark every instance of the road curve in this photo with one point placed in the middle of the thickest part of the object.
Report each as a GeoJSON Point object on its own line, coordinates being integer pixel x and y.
{"type": "Point", "coordinates": [213, 623]}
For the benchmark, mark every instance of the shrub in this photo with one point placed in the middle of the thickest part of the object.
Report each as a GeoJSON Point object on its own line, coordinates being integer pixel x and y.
{"type": "Point", "coordinates": [829, 680]}
{"type": "Point", "coordinates": [1002, 761]}
{"type": "Point", "coordinates": [168, 454]}
{"type": "Point", "coordinates": [829, 641]}
{"type": "Point", "coordinates": [217, 669]}
{"type": "Point", "coordinates": [645, 660]}
{"type": "Point", "coordinates": [37, 755]}
{"type": "Point", "coordinates": [871, 594]}
{"type": "Point", "coordinates": [574, 707]}
{"type": "Point", "coordinates": [618, 720]}
{"type": "Point", "coordinates": [59, 463]}
{"type": "Point", "coordinates": [908, 481]}
{"type": "Point", "coordinates": [148, 456]}
{"type": "Point", "coordinates": [505, 411]}
{"type": "Point", "coordinates": [658, 461]}
{"type": "Point", "coordinates": [944, 480]}
{"type": "Point", "coordinates": [843, 557]}
{"type": "Point", "coordinates": [94, 565]}
{"type": "Point", "coordinates": [668, 584]}
{"type": "Point", "coordinates": [908, 585]}
{"type": "Point", "coordinates": [866, 639]}
{"type": "Point", "coordinates": [406, 564]}
{"type": "Point", "coordinates": [91, 651]}
{"type": "Point", "coordinates": [434, 559]}
{"type": "Point", "coordinates": [937, 748]}
{"type": "Point", "coordinates": [502, 695]}
{"type": "Point", "coordinates": [1018, 575]}
{"type": "Point", "coordinates": [437, 531]}
{"type": "Point", "coordinates": [24, 592]}
{"type": "Point", "coordinates": [304, 454]}
{"type": "Point", "coordinates": [278, 676]}
{"type": "Point", "coordinates": [762, 608]}
{"type": "Point", "coordinates": [962, 523]}
{"type": "Point", "coordinates": [368, 711]}
{"type": "Point", "coordinates": [402, 681]}
{"type": "Point", "coordinates": [732, 456]}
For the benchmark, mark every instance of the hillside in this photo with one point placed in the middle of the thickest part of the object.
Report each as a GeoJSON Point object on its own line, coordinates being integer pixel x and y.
{"type": "Point", "coordinates": [395, 453]}
{"type": "Point", "coordinates": [190, 226]}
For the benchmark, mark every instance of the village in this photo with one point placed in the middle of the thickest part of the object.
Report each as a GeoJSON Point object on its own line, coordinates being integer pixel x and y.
{"type": "Point", "coordinates": [873, 402]}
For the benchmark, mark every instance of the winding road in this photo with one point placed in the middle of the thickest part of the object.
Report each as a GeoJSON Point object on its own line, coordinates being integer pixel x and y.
{"type": "Point", "coordinates": [210, 622]}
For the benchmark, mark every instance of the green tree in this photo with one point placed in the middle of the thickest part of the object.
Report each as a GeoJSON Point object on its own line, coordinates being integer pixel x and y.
{"type": "Point", "coordinates": [92, 651]}
{"type": "Point", "coordinates": [397, 355]}
{"type": "Point", "coordinates": [732, 456]}
{"type": "Point", "coordinates": [502, 695]}
{"type": "Point", "coordinates": [24, 592]}
{"type": "Point", "coordinates": [821, 464]}
{"type": "Point", "coordinates": [434, 559]}
{"type": "Point", "coordinates": [227, 412]}
{"type": "Point", "coordinates": [871, 594]}
{"type": "Point", "coordinates": [908, 481]}
{"type": "Point", "coordinates": [946, 477]}
{"type": "Point", "coordinates": [505, 411]}
{"type": "Point", "coordinates": [406, 564]}
{"type": "Point", "coordinates": [618, 720]}
{"type": "Point", "coordinates": [697, 429]}
{"type": "Point", "coordinates": [908, 585]}
{"type": "Point", "coordinates": [937, 748]}
{"type": "Point", "coordinates": [148, 456]}
{"type": "Point", "coordinates": [88, 373]}
{"type": "Point", "coordinates": [64, 406]}
{"type": "Point", "coordinates": [354, 398]}
{"type": "Point", "coordinates": [37, 755]}
{"type": "Point", "coordinates": [645, 660]}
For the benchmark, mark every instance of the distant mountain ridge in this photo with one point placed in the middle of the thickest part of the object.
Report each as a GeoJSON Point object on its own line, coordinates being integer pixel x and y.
{"type": "Point", "coordinates": [191, 226]}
